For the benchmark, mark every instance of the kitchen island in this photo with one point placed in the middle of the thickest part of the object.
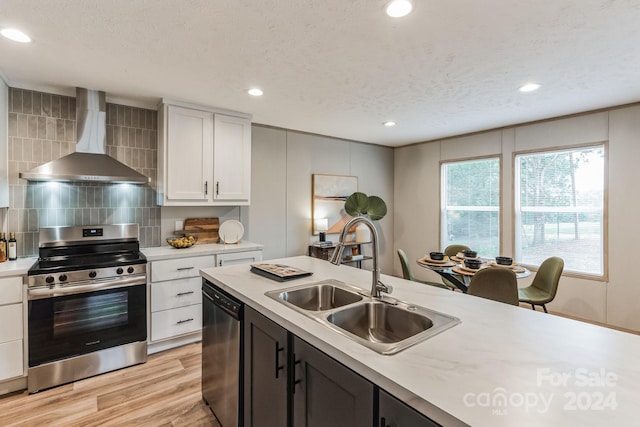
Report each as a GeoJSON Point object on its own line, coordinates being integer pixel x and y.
{"type": "Point", "coordinates": [502, 365]}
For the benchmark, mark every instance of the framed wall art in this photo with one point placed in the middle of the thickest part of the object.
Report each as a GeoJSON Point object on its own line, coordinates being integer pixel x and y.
{"type": "Point", "coordinates": [329, 194]}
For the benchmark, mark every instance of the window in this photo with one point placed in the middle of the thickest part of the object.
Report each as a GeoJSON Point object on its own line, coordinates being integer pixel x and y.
{"type": "Point", "coordinates": [470, 205]}
{"type": "Point", "coordinates": [559, 200]}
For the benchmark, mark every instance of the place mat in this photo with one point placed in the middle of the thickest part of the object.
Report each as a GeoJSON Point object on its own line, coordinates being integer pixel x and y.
{"type": "Point", "coordinates": [464, 272]}
{"type": "Point", "coordinates": [427, 258]}
{"type": "Point", "coordinates": [427, 262]}
{"type": "Point", "coordinates": [514, 267]}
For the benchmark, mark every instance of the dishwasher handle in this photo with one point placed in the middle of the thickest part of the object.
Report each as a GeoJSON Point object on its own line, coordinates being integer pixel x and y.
{"type": "Point", "coordinates": [228, 304]}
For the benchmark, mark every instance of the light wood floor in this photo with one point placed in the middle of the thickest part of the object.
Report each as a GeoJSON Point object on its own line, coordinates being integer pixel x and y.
{"type": "Point", "coordinates": [165, 391]}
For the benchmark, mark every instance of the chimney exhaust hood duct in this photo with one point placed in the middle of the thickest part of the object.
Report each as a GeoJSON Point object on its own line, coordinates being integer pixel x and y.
{"type": "Point", "coordinates": [89, 163]}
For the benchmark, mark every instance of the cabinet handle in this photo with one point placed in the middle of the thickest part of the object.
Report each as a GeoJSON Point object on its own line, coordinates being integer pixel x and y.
{"type": "Point", "coordinates": [383, 422]}
{"type": "Point", "coordinates": [293, 377]}
{"type": "Point", "coordinates": [184, 321]}
{"type": "Point", "coordinates": [185, 268]}
{"type": "Point", "coordinates": [179, 294]}
{"type": "Point", "coordinates": [206, 188]}
{"type": "Point", "coordinates": [220, 263]}
{"type": "Point", "coordinates": [217, 188]}
{"type": "Point", "coordinates": [278, 366]}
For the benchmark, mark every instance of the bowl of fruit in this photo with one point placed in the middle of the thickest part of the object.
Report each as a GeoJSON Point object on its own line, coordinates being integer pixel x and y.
{"type": "Point", "coordinates": [182, 242]}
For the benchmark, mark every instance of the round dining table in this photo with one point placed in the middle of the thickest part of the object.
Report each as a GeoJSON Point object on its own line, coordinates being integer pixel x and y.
{"type": "Point", "coordinates": [454, 270]}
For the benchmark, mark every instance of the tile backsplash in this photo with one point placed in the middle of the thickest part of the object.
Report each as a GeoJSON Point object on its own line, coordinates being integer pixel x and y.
{"type": "Point", "coordinates": [42, 127]}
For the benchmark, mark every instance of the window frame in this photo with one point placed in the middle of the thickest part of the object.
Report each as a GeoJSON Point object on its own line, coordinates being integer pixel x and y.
{"type": "Point", "coordinates": [604, 277]}
{"type": "Point", "coordinates": [441, 207]}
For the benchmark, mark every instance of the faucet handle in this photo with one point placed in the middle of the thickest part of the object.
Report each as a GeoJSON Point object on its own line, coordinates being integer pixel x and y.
{"type": "Point", "coordinates": [387, 289]}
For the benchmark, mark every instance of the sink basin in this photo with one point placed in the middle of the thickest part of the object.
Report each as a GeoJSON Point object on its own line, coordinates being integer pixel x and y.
{"type": "Point", "coordinates": [320, 296]}
{"type": "Point", "coordinates": [389, 327]}
{"type": "Point", "coordinates": [380, 322]}
{"type": "Point", "coordinates": [386, 325]}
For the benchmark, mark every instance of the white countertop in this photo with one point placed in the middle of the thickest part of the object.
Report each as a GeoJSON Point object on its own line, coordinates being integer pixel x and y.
{"type": "Point", "coordinates": [548, 370]}
{"type": "Point", "coordinates": [16, 268]}
{"type": "Point", "coordinates": [164, 252]}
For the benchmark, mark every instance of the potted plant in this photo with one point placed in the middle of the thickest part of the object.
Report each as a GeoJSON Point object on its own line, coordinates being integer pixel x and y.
{"type": "Point", "coordinates": [359, 204]}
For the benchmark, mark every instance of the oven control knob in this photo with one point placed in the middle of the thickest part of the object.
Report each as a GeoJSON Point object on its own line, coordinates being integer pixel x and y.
{"type": "Point", "coordinates": [119, 270]}
{"type": "Point", "coordinates": [130, 270]}
{"type": "Point", "coordinates": [49, 279]}
{"type": "Point", "coordinates": [92, 274]}
{"type": "Point", "coordinates": [63, 277]}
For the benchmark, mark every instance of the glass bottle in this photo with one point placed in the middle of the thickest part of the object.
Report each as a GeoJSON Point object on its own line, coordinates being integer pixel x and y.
{"type": "Point", "coordinates": [3, 248]}
{"type": "Point", "coordinates": [12, 250]}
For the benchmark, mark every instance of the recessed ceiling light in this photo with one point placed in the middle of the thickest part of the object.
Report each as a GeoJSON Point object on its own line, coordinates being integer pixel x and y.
{"type": "Point", "coordinates": [255, 92]}
{"type": "Point", "coordinates": [15, 35]}
{"type": "Point", "coordinates": [389, 123]}
{"type": "Point", "coordinates": [529, 87]}
{"type": "Point", "coordinates": [399, 8]}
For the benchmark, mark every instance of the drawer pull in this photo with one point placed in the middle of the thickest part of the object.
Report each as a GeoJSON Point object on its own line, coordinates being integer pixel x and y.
{"type": "Point", "coordinates": [179, 294]}
{"type": "Point", "coordinates": [185, 268]}
{"type": "Point", "coordinates": [184, 321]}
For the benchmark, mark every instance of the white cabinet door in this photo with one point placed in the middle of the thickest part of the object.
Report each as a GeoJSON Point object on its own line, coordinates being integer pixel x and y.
{"type": "Point", "coordinates": [238, 258]}
{"type": "Point", "coordinates": [11, 321]}
{"type": "Point", "coordinates": [232, 158]}
{"type": "Point", "coordinates": [11, 359]}
{"type": "Point", "coordinates": [188, 154]}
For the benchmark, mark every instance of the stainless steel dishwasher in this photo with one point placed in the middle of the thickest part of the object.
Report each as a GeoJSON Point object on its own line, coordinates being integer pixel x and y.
{"type": "Point", "coordinates": [222, 354]}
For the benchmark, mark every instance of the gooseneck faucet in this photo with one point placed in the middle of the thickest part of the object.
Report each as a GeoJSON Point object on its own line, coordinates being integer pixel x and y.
{"type": "Point", "coordinates": [377, 287]}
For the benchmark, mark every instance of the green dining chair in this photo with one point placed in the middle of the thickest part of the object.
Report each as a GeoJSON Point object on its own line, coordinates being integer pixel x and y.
{"type": "Point", "coordinates": [450, 251]}
{"type": "Point", "coordinates": [407, 275]}
{"type": "Point", "coordinates": [544, 286]}
{"type": "Point", "coordinates": [498, 284]}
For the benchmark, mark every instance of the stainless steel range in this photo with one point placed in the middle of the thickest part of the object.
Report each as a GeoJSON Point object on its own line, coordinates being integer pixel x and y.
{"type": "Point", "coordinates": [87, 304]}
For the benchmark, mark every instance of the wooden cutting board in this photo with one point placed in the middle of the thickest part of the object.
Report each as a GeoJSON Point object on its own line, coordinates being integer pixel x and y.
{"type": "Point", "coordinates": [205, 229]}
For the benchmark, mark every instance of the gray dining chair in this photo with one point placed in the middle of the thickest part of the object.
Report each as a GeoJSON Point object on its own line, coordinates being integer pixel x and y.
{"type": "Point", "coordinates": [495, 283]}
{"type": "Point", "coordinates": [408, 275]}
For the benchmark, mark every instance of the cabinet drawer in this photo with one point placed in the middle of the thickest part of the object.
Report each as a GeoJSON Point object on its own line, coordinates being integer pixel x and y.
{"type": "Point", "coordinates": [11, 359]}
{"type": "Point", "coordinates": [177, 321]}
{"type": "Point", "coordinates": [10, 290]}
{"type": "Point", "coordinates": [180, 268]}
{"type": "Point", "coordinates": [238, 258]}
{"type": "Point", "coordinates": [11, 321]}
{"type": "Point", "coordinates": [176, 293]}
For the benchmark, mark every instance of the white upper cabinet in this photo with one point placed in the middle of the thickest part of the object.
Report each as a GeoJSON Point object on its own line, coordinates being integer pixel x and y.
{"type": "Point", "coordinates": [232, 158]}
{"type": "Point", "coordinates": [204, 156]}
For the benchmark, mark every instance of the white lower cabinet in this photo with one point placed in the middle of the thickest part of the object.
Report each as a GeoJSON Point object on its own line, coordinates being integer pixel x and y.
{"type": "Point", "coordinates": [238, 258]}
{"type": "Point", "coordinates": [176, 301]}
{"type": "Point", "coordinates": [175, 296]}
{"type": "Point", "coordinates": [11, 331]}
{"type": "Point", "coordinates": [176, 321]}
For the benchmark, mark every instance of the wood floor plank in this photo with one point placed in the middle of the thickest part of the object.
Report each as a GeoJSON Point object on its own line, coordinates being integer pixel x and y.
{"type": "Point", "coordinates": [164, 391]}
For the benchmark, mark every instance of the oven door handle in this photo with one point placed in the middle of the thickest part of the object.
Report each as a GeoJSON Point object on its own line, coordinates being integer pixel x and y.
{"type": "Point", "coordinates": [77, 289]}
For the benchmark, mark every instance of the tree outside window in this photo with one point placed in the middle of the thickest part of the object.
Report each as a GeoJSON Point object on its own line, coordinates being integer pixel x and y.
{"type": "Point", "coordinates": [559, 207]}
{"type": "Point", "coordinates": [470, 205]}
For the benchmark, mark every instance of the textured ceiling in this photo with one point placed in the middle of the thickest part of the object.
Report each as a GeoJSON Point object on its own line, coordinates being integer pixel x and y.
{"type": "Point", "coordinates": [338, 67]}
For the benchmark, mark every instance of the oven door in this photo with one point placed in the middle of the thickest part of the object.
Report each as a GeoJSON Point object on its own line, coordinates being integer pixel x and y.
{"type": "Point", "coordinates": [76, 324]}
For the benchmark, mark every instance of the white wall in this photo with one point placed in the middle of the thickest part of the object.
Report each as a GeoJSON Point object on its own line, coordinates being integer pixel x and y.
{"type": "Point", "coordinates": [417, 192]}
{"type": "Point", "coordinates": [283, 162]}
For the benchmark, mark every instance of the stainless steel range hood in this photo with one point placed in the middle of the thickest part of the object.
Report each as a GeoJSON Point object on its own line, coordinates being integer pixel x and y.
{"type": "Point", "coordinates": [89, 163]}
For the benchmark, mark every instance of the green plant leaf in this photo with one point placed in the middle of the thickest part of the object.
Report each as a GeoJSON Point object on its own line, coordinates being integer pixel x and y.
{"type": "Point", "coordinates": [356, 204]}
{"type": "Point", "coordinates": [377, 208]}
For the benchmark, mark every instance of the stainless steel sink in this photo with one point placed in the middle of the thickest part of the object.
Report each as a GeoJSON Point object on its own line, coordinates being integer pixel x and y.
{"type": "Point", "coordinates": [386, 325]}
{"type": "Point", "coordinates": [319, 296]}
